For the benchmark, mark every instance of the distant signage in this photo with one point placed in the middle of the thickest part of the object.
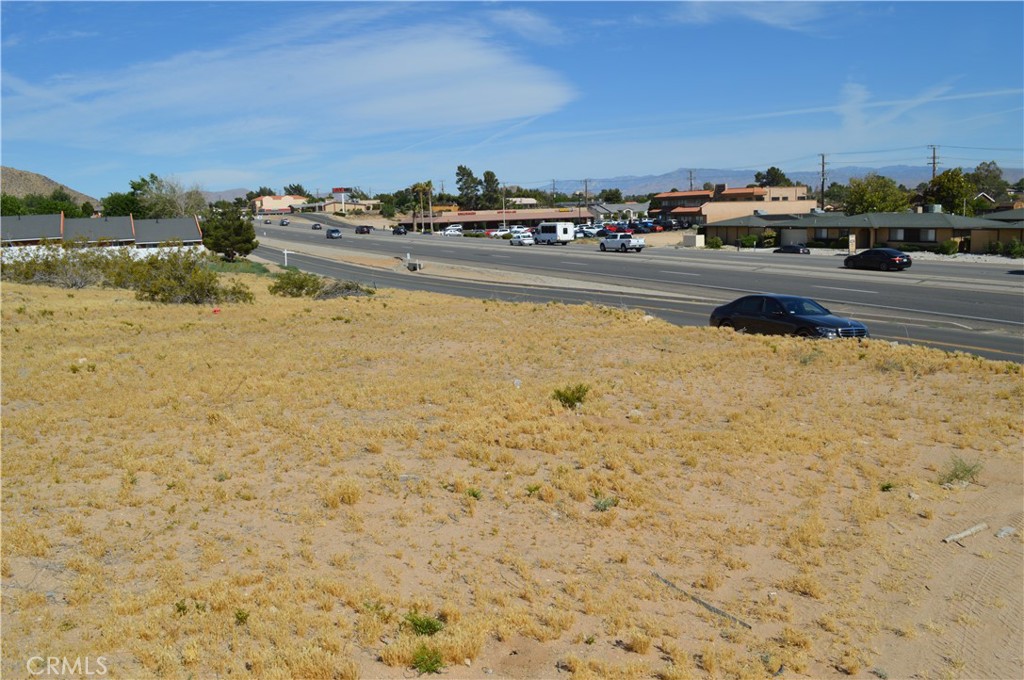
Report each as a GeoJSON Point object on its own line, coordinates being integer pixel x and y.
{"type": "Point", "coordinates": [468, 212]}
{"type": "Point", "coordinates": [339, 190]}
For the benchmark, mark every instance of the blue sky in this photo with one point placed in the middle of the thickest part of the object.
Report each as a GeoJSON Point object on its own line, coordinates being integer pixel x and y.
{"type": "Point", "coordinates": [382, 95]}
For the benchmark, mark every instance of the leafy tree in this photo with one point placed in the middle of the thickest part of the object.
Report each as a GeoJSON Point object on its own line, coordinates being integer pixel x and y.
{"type": "Point", "coordinates": [952, 190]}
{"type": "Point", "coordinates": [610, 196]}
{"type": "Point", "coordinates": [166, 198]}
{"type": "Point", "coordinates": [228, 233]}
{"type": "Point", "coordinates": [12, 205]}
{"type": "Point", "coordinates": [874, 193]}
{"type": "Point", "coordinates": [835, 194]}
{"type": "Point", "coordinates": [773, 177]}
{"type": "Point", "coordinates": [58, 201]}
{"type": "Point", "coordinates": [469, 188]}
{"type": "Point", "coordinates": [490, 195]}
{"type": "Point", "coordinates": [296, 190]}
{"type": "Point", "coordinates": [988, 178]}
{"type": "Point", "coordinates": [122, 204]}
{"type": "Point", "coordinates": [262, 191]}
{"type": "Point", "coordinates": [708, 186]}
{"type": "Point", "coordinates": [88, 209]}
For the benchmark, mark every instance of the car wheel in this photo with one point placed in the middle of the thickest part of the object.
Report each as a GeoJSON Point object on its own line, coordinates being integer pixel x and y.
{"type": "Point", "coordinates": [848, 264]}
{"type": "Point", "coordinates": [725, 324]}
{"type": "Point", "coordinates": [639, 249]}
{"type": "Point", "coordinates": [622, 248]}
{"type": "Point", "coordinates": [603, 248]}
{"type": "Point", "coordinates": [802, 333]}
{"type": "Point", "coordinates": [885, 267]}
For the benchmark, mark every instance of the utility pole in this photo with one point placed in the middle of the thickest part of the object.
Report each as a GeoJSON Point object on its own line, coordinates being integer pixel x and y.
{"type": "Point", "coordinates": [691, 179]}
{"type": "Point", "coordinates": [822, 199]}
{"type": "Point", "coordinates": [935, 160]}
{"type": "Point", "coordinates": [586, 197]}
{"type": "Point", "coordinates": [552, 193]}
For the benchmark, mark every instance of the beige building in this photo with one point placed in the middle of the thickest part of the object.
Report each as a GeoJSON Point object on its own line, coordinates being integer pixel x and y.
{"type": "Point", "coordinates": [276, 205]}
{"type": "Point", "coordinates": [722, 203]}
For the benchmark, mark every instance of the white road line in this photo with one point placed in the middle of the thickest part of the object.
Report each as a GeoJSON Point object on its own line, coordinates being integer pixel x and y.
{"type": "Point", "coordinates": [849, 290]}
{"type": "Point", "coordinates": [666, 271]}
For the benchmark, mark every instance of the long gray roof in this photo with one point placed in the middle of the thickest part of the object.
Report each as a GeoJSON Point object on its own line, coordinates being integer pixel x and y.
{"type": "Point", "coordinates": [26, 229]}
{"type": "Point", "coordinates": [34, 228]}
{"type": "Point", "coordinates": [907, 220]}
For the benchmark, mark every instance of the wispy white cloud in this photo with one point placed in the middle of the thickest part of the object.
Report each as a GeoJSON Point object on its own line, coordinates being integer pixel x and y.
{"type": "Point", "coordinates": [788, 16]}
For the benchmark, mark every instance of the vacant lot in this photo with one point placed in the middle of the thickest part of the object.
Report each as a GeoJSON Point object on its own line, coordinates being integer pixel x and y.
{"type": "Point", "coordinates": [362, 487]}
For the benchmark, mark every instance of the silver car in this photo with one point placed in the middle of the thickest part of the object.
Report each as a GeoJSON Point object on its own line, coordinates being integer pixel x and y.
{"type": "Point", "coordinates": [523, 238]}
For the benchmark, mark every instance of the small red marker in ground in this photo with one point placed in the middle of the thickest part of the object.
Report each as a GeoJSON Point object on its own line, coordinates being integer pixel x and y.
{"type": "Point", "coordinates": [216, 310]}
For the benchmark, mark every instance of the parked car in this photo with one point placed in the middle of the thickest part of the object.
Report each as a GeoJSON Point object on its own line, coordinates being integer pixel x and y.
{"type": "Point", "coordinates": [452, 232]}
{"type": "Point", "coordinates": [795, 248]}
{"type": "Point", "coordinates": [883, 259]}
{"type": "Point", "coordinates": [317, 226]}
{"type": "Point", "coordinates": [364, 229]}
{"type": "Point", "coordinates": [589, 230]}
{"type": "Point", "coordinates": [622, 242]}
{"type": "Point", "coordinates": [284, 223]}
{"type": "Point", "coordinates": [785, 315]}
{"type": "Point", "coordinates": [522, 238]}
{"type": "Point", "coordinates": [501, 232]}
{"type": "Point", "coordinates": [399, 231]}
{"type": "Point", "coordinates": [266, 221]}
{"type": "Point", "coordinates": [333, 233]}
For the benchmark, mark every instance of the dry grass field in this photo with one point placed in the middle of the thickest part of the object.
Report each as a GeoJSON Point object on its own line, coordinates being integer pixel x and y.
{"type": "Point", "coordinates": [379, 486]}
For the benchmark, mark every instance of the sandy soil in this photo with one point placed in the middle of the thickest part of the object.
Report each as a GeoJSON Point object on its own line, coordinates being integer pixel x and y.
{"type": "Point", "coordinates": [273, 490]}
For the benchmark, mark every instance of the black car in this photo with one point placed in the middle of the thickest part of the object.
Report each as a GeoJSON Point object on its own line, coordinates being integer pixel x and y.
{"type": "Point", "coordinates": [399, 231]}
{"type": "Point", "coordinates": [795, 248]}
{"type": "Point", "coordinates": [363, 229]}
{"type": "Point", "coordinates": [333, 233]}
{"type": "Point", "coordinates": [317, 226]}
{"type": "Point", "coordinates": [785, 315]}
{"type": "Point", "coordinates": [883, 259]}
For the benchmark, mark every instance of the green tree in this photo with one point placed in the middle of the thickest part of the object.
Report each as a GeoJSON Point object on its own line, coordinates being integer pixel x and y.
{"type": "Point", "coordinates": [122, 204]}
{"type": "Point", "coordinates": [988, 178]}
{"type": "Point", "coordinates": [610, 196]}
{"type": "Point", "coordinates": [874, 193]}
{"type": "Point", "coordinates": [11, 205]}
{"type": "Point", "coordinates": [469, 188]}
{"type": "Point", "coordinates": [773, 177]}
{"type": "Point", "coordinates": [262, 191]}
{"type": "Point", "coordinates": [952, 190]}
{"type": "Point", "coordinates": [835, 194]}
{"type": "Point", "coordinates": [59, 201]}
{"type": "Point", "coordinates": [228, 233]}
{"type": "Point", "coordinates": [296, 190]}
{"type": "Point", "coordinates": [490, 193]}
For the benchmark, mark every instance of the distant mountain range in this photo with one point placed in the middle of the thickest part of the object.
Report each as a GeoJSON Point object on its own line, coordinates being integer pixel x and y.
{"type": "Point", "coordinates": [21, 183]}
{"type": "Point", "coordinates": [680, 180]}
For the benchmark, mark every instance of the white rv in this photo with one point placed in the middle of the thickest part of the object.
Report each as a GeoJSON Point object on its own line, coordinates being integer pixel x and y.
{"type": "Point", "coordinates": [555, 232]}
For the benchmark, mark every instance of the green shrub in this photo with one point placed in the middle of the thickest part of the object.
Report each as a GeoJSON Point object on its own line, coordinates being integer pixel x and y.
{"type": "Point", "coordinates": [994, 248]}
{"type": "Point", "coordinates": [423, 625]}
{"type": "Point", "coordinates": [959, 470]}
{"type": "Point", "coordinates": [572, 396]}
{"type": "Point", "coordinates": [748, 240]}
{"type": "Point", "coordinates": [427, 660]}
{"type": "Point", "coordinates": [294, 283]}
{"type": "Point", "coordinates": [948, 247]}
{"type": "Point", "coordinates": [1014, 249]}
{"type": "Point", "coordinates": [713, 242]}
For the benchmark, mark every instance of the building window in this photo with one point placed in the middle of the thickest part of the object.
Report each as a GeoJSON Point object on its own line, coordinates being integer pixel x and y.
{"type": "Point", "coordinates": [895, 234]}
{"type": "Point", "coordinates": [820, 233]}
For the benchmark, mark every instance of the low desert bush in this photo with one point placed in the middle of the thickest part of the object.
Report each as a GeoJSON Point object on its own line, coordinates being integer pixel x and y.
{"type": "Point", "coordinates": [959, 470]}
{"type": "Point", "coordinates": [294, 283]}
{"type": "Point", "coordinates": [948, 247]}
{"type": "Point", "coordinates": [571, 396]}
{"type": "Point", "coordinates": [713, 243]}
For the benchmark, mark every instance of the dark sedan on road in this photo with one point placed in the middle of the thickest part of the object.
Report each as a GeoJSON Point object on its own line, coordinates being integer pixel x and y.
{"type": "Point", "coordinates": [399, 231]}
{"type": "Point", "coordinates": [785, 315]}
{"type": "Point", "coordinates": [363, 229]}
{"type": "Point", "coordinates": [317, 226]}
{"type": "Point", "coordinates": [883, 259]}
{"type": "Point", "coordinates": [795, 248]}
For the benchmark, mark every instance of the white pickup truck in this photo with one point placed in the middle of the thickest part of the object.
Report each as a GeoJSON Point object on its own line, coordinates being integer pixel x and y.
{"type": "Point", "coordinates": [622, 242]}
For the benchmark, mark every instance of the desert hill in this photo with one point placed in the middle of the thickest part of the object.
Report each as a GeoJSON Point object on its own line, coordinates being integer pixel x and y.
{"type": "Point", "coordinates": [21, 183]}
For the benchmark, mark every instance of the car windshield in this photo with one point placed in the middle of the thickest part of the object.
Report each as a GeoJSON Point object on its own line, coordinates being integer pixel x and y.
{"type": "Point", "coordinates": [804, 307]}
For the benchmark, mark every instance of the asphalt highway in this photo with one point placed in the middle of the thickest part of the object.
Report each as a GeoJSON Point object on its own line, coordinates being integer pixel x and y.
{"type": "Point", "coordinates": [970, 307]}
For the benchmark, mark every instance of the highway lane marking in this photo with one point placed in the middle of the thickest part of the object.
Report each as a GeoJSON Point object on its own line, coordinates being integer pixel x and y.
{"type": "Point", "coordinates": [666, 271]}
{"type": "Point", "coordinates": [849, 290]}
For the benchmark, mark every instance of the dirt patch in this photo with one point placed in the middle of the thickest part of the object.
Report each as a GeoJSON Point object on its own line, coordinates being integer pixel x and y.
{"type": "Point", "coordinates": [298, 489]}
